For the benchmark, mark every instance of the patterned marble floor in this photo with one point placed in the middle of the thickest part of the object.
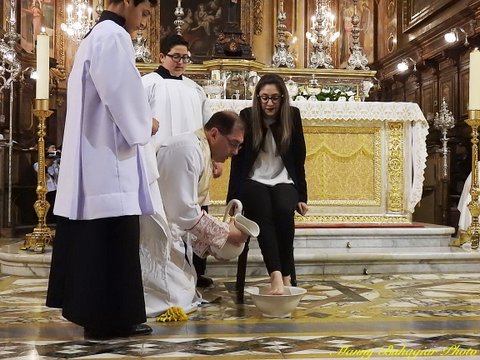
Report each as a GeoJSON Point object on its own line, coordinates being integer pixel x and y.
{"type": "Point", "coordinates": [355, 317]}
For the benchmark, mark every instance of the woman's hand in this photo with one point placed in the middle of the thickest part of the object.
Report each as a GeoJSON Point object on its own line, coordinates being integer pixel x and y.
{"type": "Point", "coordinates": [217, 169]}
{"type": "Point", "coordinates": [302, 208]}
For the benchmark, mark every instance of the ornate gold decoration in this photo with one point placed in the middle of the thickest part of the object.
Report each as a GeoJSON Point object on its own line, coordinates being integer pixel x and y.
{"type": "Point", "coordinates": [257, 17]}
{"type": "Point", "coordinates": [59, 34]}
{"type": "Point", "coordinates": [395, 167]}
{"type": "Point", "coordinates": [362, 219]}
{"type": "Point", "coordinates": [41, 235]}
{"type": "Point", "coordinates": [344, 219]}
{"type": "Point", "coordinates": [57, 75]}
{"type": "Point", "coordinates": [325, 77]}
{"type": "Point", "coordinates": [153, 31]}
{"type": "Point", "coordinates": [343, 165]}
{"type": "Point", "coordinates": [472, 234]}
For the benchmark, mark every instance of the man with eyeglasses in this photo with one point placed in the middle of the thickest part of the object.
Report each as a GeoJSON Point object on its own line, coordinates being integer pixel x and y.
{"type": "Point", "coordinates": [169, 242]}
{"type": "Point", "coordinates": [178, 102]}
{"type": "Point", "coordinates": [175, 100]}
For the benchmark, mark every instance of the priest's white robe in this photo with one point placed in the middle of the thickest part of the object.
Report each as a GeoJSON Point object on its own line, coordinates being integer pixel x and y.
{"type": "Point", "coordinates": [167, 240]}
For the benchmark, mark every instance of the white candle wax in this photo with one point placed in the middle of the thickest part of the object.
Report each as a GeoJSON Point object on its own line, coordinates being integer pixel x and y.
{"type": "Point", "coordinates": [474, 88]}
{"type": "Point", "coordinates": [43, 77]}
{"type": "Point", "coordinates": [179, 3]}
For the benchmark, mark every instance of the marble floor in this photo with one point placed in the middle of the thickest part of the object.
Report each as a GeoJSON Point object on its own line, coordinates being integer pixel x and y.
{"type": "Point", "coordinates": [414, 316]}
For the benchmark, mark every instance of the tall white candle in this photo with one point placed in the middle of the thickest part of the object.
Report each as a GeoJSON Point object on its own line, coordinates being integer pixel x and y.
{"type": "Point", "coordinates": [474, 88]}
{"type": "Point", "coordinates": [179, 3]}
{"type": "Point", "coordinates": [43, 77]}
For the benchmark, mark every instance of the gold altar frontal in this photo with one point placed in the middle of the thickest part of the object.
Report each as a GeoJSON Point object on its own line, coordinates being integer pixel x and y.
{"type": "Point", "coordinates": [364, 164]}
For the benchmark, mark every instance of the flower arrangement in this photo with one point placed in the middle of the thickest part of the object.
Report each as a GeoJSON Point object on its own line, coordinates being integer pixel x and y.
{"type": "Point", "coordinates": [324, 94]}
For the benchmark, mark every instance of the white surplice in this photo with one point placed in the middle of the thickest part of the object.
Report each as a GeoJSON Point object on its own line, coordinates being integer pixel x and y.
{"type": "Point", "coordinates": [178, 105]}
{"type": "Point", "coordinates": [103, 171]}
{"type": "Point", "coordinates": [167, 239]}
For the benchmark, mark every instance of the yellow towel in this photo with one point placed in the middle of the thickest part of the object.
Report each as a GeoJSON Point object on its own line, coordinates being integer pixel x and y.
{"type": "Point", "coordinates": [174, 313]}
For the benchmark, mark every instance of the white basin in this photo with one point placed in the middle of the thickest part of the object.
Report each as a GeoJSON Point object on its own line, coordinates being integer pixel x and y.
{"type": "Point", "coordinates": [279, 306]}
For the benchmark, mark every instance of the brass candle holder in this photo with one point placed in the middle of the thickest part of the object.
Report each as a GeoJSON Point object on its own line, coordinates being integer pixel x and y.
{"type": "Point", "coordinates": [42, 234]}
{"type": "Point", "coordinates": [472, 234]}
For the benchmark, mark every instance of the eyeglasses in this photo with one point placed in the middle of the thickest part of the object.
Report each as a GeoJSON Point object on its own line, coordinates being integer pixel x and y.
{"type": "Point", "coordinates": [265, 98]}
{"type": "Point", "coordinates": [177, 57]}
{"type": "Point", "coordinates": [234, 144]}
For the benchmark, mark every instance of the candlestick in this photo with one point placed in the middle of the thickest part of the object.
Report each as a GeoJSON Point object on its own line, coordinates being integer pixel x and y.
{"type": "Point", "coordinates": [474, 88]}
{"type": "Point", "coordinates": [43, 68]}
{"type": "Point", "coordinates": [42, 235]}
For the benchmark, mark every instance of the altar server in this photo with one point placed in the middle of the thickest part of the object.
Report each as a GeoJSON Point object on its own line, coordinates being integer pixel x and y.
{"type": "Point", "coordinates": [167, 247]}
{"type": "Point", "coordinates": [95, 275]}
{"type": "Point", "coordinates": [179, 102]}
{"type": "Point", "coordinates": [268, 176]}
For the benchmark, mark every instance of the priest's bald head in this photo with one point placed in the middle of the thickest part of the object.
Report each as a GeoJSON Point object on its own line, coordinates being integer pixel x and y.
{"type": "Point", "coordinates": [224, 132]}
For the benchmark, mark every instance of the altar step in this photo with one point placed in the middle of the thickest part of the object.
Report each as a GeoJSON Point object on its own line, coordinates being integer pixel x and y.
{"type": "Point", "coordinates": [375, 250]}
{"type": "Point", "coordinates": [324, 250]}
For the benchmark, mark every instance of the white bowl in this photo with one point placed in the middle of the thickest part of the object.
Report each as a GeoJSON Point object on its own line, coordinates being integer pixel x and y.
{"type": "Point", "coordinates": [276, 305]}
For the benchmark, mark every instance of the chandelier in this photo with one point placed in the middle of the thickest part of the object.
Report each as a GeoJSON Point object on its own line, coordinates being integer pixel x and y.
{"type": "Point", "coordinates": [322, 35]}
{"type": "Point", "coordinates": [79, 19]}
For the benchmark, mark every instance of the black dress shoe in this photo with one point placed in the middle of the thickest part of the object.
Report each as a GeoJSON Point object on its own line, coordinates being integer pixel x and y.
{"type": "Point", "coordinates": [140, 329]}
{"type": "Point", "coordinates": [102, 334]}
{"type": "Point", "coordinates": [204, 281]}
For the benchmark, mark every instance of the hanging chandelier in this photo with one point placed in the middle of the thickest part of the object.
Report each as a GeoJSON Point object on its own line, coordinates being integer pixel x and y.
{"type": "Point", "coordinates": [322, 35]}
{"type": "Point", "coordinates": [79, 21]}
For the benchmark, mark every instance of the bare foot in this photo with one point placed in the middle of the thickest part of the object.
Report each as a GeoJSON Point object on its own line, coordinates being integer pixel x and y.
{"type": "Point", "coordinates": [276, 283]}
{"type": "Point", "coordinates": [287, 281]}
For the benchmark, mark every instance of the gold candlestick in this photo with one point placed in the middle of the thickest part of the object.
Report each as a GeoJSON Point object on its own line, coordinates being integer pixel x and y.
{"type": "Point", "coordinates": [42, 234]}
{"type": "Point", "coordinates": [472, 234]}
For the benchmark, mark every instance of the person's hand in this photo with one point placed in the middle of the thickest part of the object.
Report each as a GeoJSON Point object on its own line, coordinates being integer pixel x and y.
{"type": "Point", "coordinates": [235, 236]}
{"type": "Point", "coordinates": [155, 126]}
{"type": "Point", "coordinates": [302, 208]}
{"type": "Point", "coordinates": [217, 169]}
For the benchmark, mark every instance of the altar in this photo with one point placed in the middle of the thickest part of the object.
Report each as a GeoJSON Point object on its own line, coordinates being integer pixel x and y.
{"type": "Point", "coordinates": [365, 160]}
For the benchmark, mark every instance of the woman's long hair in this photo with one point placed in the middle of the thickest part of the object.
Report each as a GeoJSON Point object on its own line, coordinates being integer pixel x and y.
{"type": "Point", "coordinates": [259, 129]}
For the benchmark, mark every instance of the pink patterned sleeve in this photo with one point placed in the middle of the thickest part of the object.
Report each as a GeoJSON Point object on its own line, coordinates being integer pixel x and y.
{"type": "Point", "coordinates": [209, 232]}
